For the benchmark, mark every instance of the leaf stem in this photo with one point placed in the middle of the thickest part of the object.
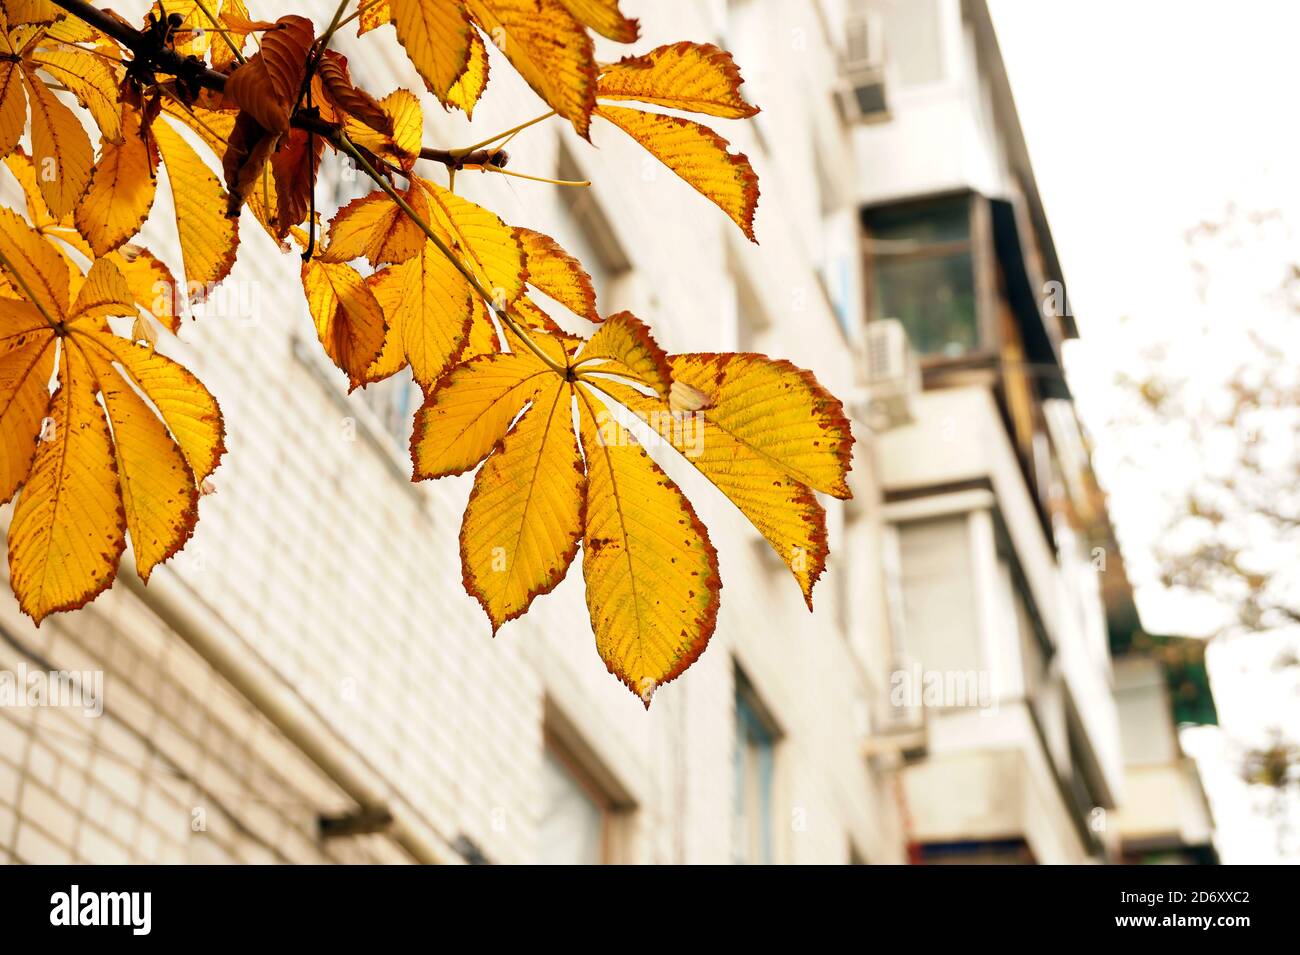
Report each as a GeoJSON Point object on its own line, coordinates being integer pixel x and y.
{"type": "Point", "coordinates": [466, 150]}
{"type": "Point", "coordinates": [362, 7]}
{"type": "Point", "coordinates": [338, 18]}
{"type": "Point", "coordinates": [318, 51]}
{"type": "Point", "coordinates": [501, 311]}
{"type": "Point", "coordinates": [520, 175]}
{"type": "Point", "coordinates": [329, 32]}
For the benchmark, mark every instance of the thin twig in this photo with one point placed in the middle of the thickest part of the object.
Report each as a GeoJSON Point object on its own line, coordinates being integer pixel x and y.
{"type": "Point", "coordinates": [311, 193]}
{"type": "Point", "coordinates": [171, 62]}
{"type": "Point", "coordinates": [501, 311]}
{"type": "Point", "coordinates": [239, 54]}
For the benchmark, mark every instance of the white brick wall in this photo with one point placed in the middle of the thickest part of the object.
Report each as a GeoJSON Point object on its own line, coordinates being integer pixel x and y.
{"type": "Point", "coordinates": [344, 579]}
{"type": "Point", "coordinates": [178, 768]}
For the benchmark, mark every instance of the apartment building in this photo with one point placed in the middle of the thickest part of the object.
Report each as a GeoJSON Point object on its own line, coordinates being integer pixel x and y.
{"type": "Point", "coordinates": [1007, 587]}
{"type": "Point", "coordinates": [1165, 818]}
{"type": "Point", "coordinates": [308, 682]}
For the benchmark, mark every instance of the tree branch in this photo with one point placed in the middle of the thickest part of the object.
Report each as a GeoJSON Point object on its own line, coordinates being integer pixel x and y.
{"type": "Point", "coordinates": [144, 48]}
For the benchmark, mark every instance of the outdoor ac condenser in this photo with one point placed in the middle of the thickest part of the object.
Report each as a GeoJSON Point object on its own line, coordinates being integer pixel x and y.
{"type": "Point", "coordinates": [863, 97]}
{"type": "Point", "coordinates": [892, 373]}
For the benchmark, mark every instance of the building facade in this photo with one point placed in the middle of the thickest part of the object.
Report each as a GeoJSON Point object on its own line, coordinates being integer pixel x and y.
{"type": "Point", "coordinates": [308, 682]}
{"type": "Point", "coordinates": [1009, 590]}
{"type": "Point", "coordinates": [1161, 684]}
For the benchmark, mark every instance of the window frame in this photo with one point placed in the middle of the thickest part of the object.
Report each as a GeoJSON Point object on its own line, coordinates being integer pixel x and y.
{"type": "Point", "coordinates": [905, 644]}
{"type": "Point", "coordinates": [586, 215]}
{"type": "Point", "coordinates": [751, 719]}
{"type": "Point", "coordinates": [554, 747]}
{"type": "Point", "coordinates": [978, 244]}
{"type": "Point", "coordinates": [894, 68]}
{"type": "Point", "coordinates": [311, 358]}
{"type": "Point", "coordinates": [976, 503]}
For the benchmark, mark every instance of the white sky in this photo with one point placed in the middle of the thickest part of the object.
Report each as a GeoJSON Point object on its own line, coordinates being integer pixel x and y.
{"type": "Point", "coordinates": [1143, 118]}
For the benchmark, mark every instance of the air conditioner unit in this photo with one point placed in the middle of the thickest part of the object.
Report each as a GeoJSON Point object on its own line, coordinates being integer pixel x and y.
{"type": "Point", "coordinates": [893, 375]}
{"type": "Point", "coordinates": [862, 95]}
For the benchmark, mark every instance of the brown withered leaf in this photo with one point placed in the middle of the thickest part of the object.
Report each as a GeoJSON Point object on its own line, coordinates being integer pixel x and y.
{"type": "Point", "coordinates": [266, 87]}
{"type": "Point", "coordinates": [338, 87]}
{"type": "Point", "coordinates": [247, 150]}
{"type": "Point", "coordinates": [294, 166]}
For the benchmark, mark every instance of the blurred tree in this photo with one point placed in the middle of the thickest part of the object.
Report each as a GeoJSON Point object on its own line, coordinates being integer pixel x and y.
{"type": "Point", "coordinates": [1235, 532]}
{"type": "Point", "coordinates": [1275, 765]}
{"type": "Point", "coordinates": [1219, 409]}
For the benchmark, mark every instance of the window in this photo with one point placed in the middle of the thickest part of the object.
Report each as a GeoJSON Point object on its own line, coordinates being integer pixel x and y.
{"type": "Point", "coordinates": [837, 238]}
{"type": "Point", "coordinates": [995, 852]}
{"type": "Point", "coordinates": [754, 771]}
{"type": "Point", "coordinates": [940, 625]}
{"type": "Point", "coordinates": [393, 402]}
{"type": "Point", "coordinates": [923, 274]}
{"type": "Point", "coordinates": [381, 413]}
{"type": "Point", "coordinates": [914, 41]}
{"type": "Point", "coordinates": [573, 824]}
